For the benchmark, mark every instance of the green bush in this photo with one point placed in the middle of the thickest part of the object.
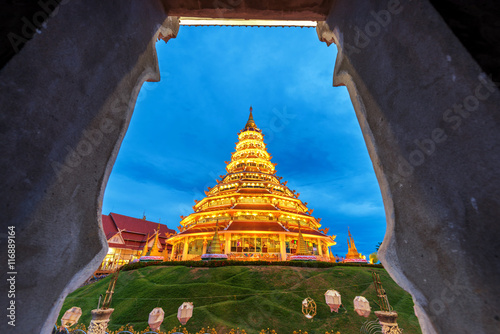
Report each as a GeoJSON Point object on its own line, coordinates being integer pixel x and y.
{"type": "Point", "coordinates": [215, 264]}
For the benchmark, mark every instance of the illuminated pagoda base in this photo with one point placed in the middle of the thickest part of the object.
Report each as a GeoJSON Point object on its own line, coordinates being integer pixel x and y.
{"type": "Point", "coordinates": [256, 216]}
{"type": "Point", "coordinates": [352, 254]}
{"type": "Point", "coordinates": [151, 258]}
{"type": "Point", "coordinates": [214, 257]}
{"type": "Point", "coordinates": [303, 258]}
{"type": "Point", "coordinates": [355, 261]}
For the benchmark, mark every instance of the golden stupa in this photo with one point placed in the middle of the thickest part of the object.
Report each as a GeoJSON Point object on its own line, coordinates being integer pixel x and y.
{"type": "Point", "coordinates": [250, 214]}
{"type": "Point", "coordinates": [352, 253]}
{"type": "Point", "coordinates": [155, 253]}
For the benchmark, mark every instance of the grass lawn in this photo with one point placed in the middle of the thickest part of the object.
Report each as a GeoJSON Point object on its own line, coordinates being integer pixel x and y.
{"type": "Point", "coordinates": [248, 297]}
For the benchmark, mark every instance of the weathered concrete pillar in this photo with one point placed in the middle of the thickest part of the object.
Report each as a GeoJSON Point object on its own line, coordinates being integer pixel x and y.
{"type": "Point", "coordinates": [67, 98]}
{"type": "Point", "coordinates": [388, 322]}
{"type": "Point", "coordinates": [100, 320]}
{"type": "Point", "coordinates": [431, 124]}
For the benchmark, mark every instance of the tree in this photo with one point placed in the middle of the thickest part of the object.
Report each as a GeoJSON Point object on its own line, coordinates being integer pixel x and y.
{"type": "Point", "coordinates": [378, 245]}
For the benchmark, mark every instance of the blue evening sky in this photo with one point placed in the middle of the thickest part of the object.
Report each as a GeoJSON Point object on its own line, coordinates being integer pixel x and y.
{"type": "Point", "coordinates": [185, 126]}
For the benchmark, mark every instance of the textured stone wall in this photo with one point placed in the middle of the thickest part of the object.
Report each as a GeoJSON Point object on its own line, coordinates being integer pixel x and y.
{"type": "Point", "coordinates": [67, 98]}
{"type": "Point", "coordinates": [429, 116]}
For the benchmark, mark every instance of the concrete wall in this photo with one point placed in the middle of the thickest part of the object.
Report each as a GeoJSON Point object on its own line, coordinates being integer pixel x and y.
{"type": "Point", "coordinates": [67, 98]}
{"type": "Point", "coordinates": [430, 120]}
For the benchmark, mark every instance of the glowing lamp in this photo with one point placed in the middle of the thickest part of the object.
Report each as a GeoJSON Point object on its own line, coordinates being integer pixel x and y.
{"type": "Point", "coordinates": [362, 306]}
{"type": "Point", "coordinates": [333, 299]}
{"type": "Point", "coordinates": [185, 312]}
{"type": "Point", "coordinates": [71, 317]}
{"type": "Point", "coordinates": [156, 318]}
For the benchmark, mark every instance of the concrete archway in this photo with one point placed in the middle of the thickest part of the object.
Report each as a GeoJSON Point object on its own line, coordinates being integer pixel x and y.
{"type": "Point", "coordinates": [427, 113]}
{"type": "Point", "coordinates": [425, 109]}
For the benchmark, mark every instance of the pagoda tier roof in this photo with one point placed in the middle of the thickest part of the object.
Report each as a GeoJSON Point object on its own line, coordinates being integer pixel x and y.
{"type": "Point", "coordinates": [247, 226]}
{"type": "Point", "coordinates": [254, 206]}
{"type": "Point", "coordinates": [202, 227]}
{"type": "Point", "coordinates": [217, 207]}
{"type": "Point", "coordinates": [306, 231]}
{"type": "Point", "coordinates": [294, 211]}
{"type": "Point", "coordinates": [251, 225]}
{"type": "Point", "coordinates": [253, 191]}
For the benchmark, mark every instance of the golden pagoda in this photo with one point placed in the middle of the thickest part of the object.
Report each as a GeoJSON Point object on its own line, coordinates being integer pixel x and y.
{"type": "Point", "coordinates": [352, 253]}
{"type": "Point", "coordinates": [154, 253]}
{"type": "Point", "coordinates": [250, 214]}
{"type": "Point", "coordinates": [215, 249]}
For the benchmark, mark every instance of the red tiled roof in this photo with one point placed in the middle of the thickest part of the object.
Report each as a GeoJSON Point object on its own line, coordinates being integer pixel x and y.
{"type": "Point", "coordinates": [249, 225]}
{"type": "Point", "coordinates": [138, 225]}
{"type": "Point", "coordinates": [108, 226]}
{"type": "Point", "coordinates": [136, 230]}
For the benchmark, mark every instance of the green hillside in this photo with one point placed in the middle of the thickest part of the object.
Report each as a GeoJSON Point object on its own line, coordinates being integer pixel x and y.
{"type": "Point", "coordinates": [248, 297]}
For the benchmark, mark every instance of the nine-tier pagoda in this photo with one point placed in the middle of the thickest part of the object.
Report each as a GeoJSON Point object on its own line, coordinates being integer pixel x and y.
{"type": "Point", "coordinates": [256, 216]}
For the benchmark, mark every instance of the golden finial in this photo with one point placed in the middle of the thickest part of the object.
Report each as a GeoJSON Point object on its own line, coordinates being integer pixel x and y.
{"type": "Point", "coordinates": [250, 122]}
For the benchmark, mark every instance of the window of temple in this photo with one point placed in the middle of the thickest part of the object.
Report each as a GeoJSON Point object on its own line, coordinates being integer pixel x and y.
{"type": "Point", "coordinates": [178, 249]}
{"type": "Point", "coordinates": [195, 247]}
{"type": "Point", "coordinates": [254, 244]}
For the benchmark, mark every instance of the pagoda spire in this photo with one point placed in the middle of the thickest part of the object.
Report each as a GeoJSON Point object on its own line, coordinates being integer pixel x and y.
{"type": "Point", "coordinates": [352, 253]}
{"type": "Point", "coordinates": [145, 249]}
{"type": "Point", "coordinates": [250, 122]}
{"type": "Point", "coordinates": [155, 249]}
{"type": "Point", "coordinates": [301, 247]}
{"type": "Point", "coordinates": [215, 247]}
{"type": "Point", "coordinates": [351, 243]}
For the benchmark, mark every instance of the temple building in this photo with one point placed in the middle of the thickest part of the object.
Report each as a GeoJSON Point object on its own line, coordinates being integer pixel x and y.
{"type": "Point", "coordinates": [256, 215]}
{"type": "Point", "coordinates": [128, 237]}
{"type": "Point", "coordinates": [352, 253]}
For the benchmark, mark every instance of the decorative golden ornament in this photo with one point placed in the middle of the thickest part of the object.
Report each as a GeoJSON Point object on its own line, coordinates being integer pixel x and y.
{"type": "Point", "coordinates": [309, 308]}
